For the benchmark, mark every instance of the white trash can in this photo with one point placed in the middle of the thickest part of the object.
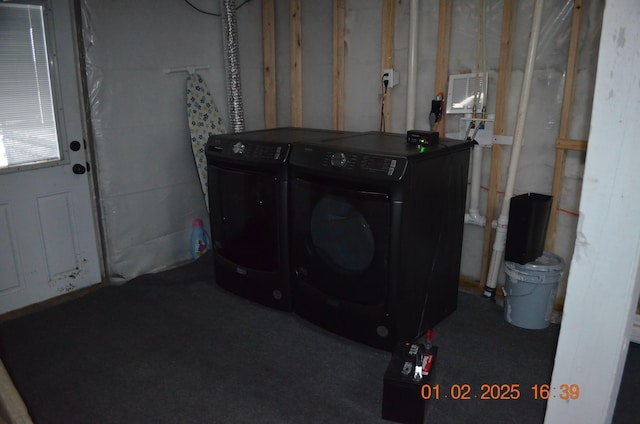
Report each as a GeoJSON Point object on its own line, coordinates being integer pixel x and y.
{"type": "Point", "coordinates": [530, 291]}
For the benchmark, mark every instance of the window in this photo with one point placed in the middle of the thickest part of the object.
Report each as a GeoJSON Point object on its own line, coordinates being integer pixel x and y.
{"type": "Point", "coordinates": [27, 122]}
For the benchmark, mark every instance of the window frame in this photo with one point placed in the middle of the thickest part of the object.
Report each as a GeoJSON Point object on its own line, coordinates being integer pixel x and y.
{"type": "Point", "coordinates": [54, 78]}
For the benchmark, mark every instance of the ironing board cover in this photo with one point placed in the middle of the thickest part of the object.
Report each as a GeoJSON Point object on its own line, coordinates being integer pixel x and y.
{"type": "Point", "coordinates": [204, 120]}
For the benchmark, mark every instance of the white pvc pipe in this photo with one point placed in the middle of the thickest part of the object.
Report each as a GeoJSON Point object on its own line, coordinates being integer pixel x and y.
{"type": "Point", "coordinates": [475, 177]}
{"type": "Point", "coordinates": [474, 217]}
{"type": "Point", "coordinates": [413, 65]}
{"type": "Point", "coordinates": [503, 220]}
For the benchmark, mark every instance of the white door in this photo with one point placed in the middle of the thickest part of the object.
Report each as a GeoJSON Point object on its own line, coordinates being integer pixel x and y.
{"type": "Point", "coordinates": [48, 242]}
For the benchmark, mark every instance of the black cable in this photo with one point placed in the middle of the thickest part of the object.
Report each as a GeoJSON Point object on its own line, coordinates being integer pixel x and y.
{"type": "Point", "coordinates": [385, 84]}
{"type": "Point", "coordinates": [200, 10]}
{"type": "Point", "coordinates": [428, 287]}
{"type": "Point", "coordinates": [211, 13]}
{"type": "Point", "coordinates": [242, 4]}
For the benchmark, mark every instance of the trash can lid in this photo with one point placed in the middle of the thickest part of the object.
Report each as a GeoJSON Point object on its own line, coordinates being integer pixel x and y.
{"type": "Point", "coordinates": [546, 263]}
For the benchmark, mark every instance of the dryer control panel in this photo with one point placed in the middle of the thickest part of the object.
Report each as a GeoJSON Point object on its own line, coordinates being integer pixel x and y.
{"type": "Point", "coordinates": [357, 164]}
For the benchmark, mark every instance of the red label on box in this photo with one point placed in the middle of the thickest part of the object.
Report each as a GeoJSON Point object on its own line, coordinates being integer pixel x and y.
{"type": "Point", "coordinates": [426, 363]}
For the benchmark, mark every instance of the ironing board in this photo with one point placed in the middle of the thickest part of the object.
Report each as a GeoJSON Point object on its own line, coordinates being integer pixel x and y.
{"type": "Point", "coordinates": [204, 121]}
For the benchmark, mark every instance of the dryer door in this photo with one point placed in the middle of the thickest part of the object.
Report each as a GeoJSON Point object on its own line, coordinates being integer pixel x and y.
{"type": "Point", "coordinates": [341, 241]}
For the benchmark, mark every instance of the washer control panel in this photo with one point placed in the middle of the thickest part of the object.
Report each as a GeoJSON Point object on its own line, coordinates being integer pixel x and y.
{"type": "Point", "coordinates": [238, 150]}
{"type": "Point", "coordinates": [339, 160]}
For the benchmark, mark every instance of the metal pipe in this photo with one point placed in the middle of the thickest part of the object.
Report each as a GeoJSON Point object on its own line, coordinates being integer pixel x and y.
{"type": "Point", "coordinates": [232, 65]}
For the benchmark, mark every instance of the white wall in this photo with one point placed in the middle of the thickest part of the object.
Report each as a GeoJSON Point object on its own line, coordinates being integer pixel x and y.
{"type": "Point", "coordinates": [147, 179]}
{"type": "Point", "coordinates": [148, 185]}
{"type": "Point", "coordinates": [605, 277]}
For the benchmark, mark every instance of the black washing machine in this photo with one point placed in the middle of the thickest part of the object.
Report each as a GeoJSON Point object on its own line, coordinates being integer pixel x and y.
{"type": "Point", "coordinates": [248, 180]}
{"type": "Point", "coordinates": [376, 234]}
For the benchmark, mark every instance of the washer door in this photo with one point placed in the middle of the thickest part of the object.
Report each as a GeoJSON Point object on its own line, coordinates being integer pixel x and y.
{"type": "Point", "coordinates": [340, 241]}
{"type": "Point", "coordinates": [244, 217]}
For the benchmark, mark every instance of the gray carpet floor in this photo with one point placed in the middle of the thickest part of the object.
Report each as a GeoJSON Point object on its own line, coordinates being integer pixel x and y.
{"type": "Point", "coordinates": [175, 348]}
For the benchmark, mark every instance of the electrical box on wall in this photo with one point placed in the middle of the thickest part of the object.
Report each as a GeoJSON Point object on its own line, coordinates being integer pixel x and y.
{"type": "Point", "coordinates": [390, 77]}
{"type": "Point", "coordinates": [463, 88]}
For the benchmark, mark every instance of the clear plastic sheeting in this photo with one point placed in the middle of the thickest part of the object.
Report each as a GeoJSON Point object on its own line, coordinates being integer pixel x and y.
{"type": "Point", "coordinates": [148, 185]}
{"type": "Point", "coordinates": [536, 165]}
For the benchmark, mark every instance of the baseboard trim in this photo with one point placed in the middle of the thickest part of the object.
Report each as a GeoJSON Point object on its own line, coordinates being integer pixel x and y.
{"type": "Point", "coordinates": [635, 332]}
{"type": "Point", "coordinates": [49, 302]}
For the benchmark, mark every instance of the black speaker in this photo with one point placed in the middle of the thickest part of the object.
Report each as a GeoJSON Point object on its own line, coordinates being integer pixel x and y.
{"type": "Point", "coordinates": [527, 230]}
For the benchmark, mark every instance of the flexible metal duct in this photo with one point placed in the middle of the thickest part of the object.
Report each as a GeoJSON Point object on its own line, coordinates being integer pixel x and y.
{"type": "Point", "coordinates": [232, 65]}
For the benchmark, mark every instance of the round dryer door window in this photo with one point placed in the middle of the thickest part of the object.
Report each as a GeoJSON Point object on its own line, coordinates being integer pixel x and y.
{"type": "Point", "coordinates": [341, 235]}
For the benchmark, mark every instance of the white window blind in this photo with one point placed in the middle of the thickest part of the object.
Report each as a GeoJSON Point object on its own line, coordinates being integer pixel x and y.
{"type": "Point", "coordinates": [27, 121]}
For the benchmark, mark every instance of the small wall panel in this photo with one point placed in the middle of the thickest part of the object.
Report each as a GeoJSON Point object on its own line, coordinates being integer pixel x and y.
{"type": "Point", "coordinates": [9, 268]}
{"type": "Point", "coordinates": [56, 224]}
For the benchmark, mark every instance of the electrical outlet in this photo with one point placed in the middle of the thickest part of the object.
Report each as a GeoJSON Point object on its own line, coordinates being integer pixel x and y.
{"type": "Point", "coordinates": [391, 77]}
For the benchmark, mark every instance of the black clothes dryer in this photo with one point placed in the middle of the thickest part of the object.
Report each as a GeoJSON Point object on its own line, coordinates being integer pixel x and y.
{"type": "Point", "coordinates": [376, 234]}
{"type": "Point", "coordinates": [248, 181]}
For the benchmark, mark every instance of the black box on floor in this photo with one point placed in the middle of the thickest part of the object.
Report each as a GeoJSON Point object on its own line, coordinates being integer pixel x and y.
{"type": "Point", "coordinates": [402, 399]}
{"type": "Point", "coordinates": [527, 230]}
